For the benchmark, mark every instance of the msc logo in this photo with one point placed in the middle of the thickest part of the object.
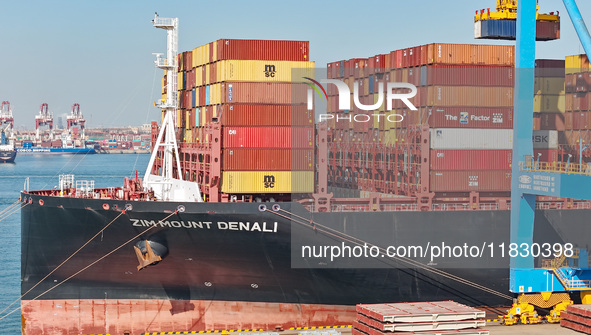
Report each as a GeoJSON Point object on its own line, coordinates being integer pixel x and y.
{"type": "Point", "coordinates": [269, 181]}
{"type": "Point", "coordinates": [269, 70]}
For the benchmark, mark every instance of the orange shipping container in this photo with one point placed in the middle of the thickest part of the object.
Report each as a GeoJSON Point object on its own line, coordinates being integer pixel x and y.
{"type": "Point", "coordinates": [474, 54]}
{"type": "Point", "coordinates": [466, 96]}
{"type": "Point", "coordinates": [266, 115]}
{"type": "Point", "coordinates": [467, 181]}
{"type": "Point", "coordinates": [268, 159]}
{"type": "Point", "coordinates": [264, 93]}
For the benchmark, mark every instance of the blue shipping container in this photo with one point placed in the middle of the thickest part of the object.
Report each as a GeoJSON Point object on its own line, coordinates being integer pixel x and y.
{"type": "Point", "coordinates": [207, 95]}
{"type": "Point", "coordinates": [193, 98]}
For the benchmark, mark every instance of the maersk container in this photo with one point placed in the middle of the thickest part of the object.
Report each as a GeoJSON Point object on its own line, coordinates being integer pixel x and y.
{"type": "Point", "coordinates": [268, 137]}
{"type": "Point", "coordinates": [267, 182]}
{"type": "Point", "coordinates": [268, 159]}
{"type": "Point", "coordinates": [545, 139]}
{"type": "Point", "coordinates": [468, 181]}
{"type": "Point", "coordinates": [445, 160]}
{"type": "Point", "coordinates": [471, 139]}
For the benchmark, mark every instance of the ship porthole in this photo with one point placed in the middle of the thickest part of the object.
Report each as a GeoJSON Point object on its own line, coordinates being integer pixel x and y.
{"type": "Point", "coordinates": [41, 202]}
{"type": "Point", "coordinates": [262, 208]}
{"type": "Point", "coordinates": [180, 208]}
{"type": "Point", "coordinates": [128, 207]}
{"type": "Point", "coordinates": [106, 207]}
{"type": "Point", "coordinates": [276, 207]}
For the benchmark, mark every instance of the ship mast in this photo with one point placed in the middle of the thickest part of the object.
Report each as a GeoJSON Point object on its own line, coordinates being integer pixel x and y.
{"type": "Point", "coordinates": [167, 186]}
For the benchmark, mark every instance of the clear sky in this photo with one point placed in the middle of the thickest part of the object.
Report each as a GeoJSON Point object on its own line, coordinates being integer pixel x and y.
{"type": "Point", "coordinates": [99, 53]}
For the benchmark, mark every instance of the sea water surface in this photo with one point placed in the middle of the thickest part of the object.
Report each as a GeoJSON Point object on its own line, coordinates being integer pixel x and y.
{"type": "Point", "coordinates": [43, 172]}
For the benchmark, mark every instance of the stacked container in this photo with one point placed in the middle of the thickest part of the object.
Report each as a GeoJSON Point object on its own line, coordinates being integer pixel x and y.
{"type": "Point", "coordinates": [255, 90]}
{"type": "Point", "coordinates": [578, 101]}
{"type": "Point", "coordinates": [464, 95]}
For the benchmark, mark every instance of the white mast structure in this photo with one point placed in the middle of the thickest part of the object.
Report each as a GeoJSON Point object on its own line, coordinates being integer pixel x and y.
{"type": "Point", "coordinates": [165, 186]}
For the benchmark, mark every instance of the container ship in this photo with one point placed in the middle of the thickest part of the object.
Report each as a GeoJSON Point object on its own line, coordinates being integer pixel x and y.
{"type": "Point", "coordinates": [215, 234]}
{"type": "Point", "coordinates": [7, 152]}
{"type": "Point", "coordinates": [70, 141]}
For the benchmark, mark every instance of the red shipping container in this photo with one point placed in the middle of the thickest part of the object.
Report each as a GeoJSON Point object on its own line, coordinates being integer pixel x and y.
{"type": "Point", "coordinates": [445, 160]}
{"type": "Point", "coordinates": [468, 181]}
{"type": "Point", "coordinates": [461, 75]}
{"type": "Point", "coordinates": [469, 117]}
{"type": "Point", "coordinates": [268, 137]}
{"type": "Point", "coordinates": [187, 60]}
{"type": "Point", "coordinates": [570, 83]}
{"type": "Point", "coordinates": [547, 155]}
{"type": "Point", "coordinates": [547, 30]}
{"type": "Point", "coordinates": [414, 76]}
{"type": "Point", "coordinates": [263, 50]}
{"type": "Point", "coordinates": [581, 101]}
{"type": "Point", "coordinates": [268, 160]}
{"type": "Point", "coordinates": [550, 68]}
{"type": "Point", "coordinates": [537, 121]}
{"type": "Point", "coordinates": [211, 52]}
{"type": "Point", "coordinates": [264, 93]}
{"type": "Point", "coordinates": [213, 73]}
{"type": "Point", "coordinates": [265, 115]}
{"type": "Point", "coordinates": [581, 120]}
{"type": "Point", "coordinates": [552, 121]}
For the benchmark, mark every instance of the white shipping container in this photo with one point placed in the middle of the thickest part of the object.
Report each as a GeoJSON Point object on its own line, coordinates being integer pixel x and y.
{"type": "Point", "coordinates": [545, 139]}
{"type": "Point", "coordinates": [471, 139]}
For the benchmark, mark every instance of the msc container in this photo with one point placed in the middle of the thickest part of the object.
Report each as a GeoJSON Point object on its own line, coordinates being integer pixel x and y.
{"type": "Point", "coordinates": [445, 160]}
{"type": "Point", "coordinates": [549, 86]}
{"type": "Point", "coordinates": [263, 70]}
{"type": "Point", "coordinates": [468, 181]}
{"type": "Point", "coordinates": [462, 75]}
{"type": "Point", "coordinates": [545, 139]}
{"type": "Point", "coordinates": [471, 139]}
{"type": "Point", "coordinates": [474, 54]}
{"type": "Point", "coordinates": [268, 137]}
{"type": "Point", "coordinates": [263, 93]}
{"type": "Point", "coordinates": [549, 103]}
{"type": "Point", "coordinates": [466, 96]}
{"type": "Point", "coordinates": [263, 49]}
{"type": "Point", "coordinates": [266, 115]}
{"type": "Point", "coordinates": [463, 117]}
{"type": "Point", "coordinates": [268, 160]}
{"type": "Point", "coordinates": [268, 181]}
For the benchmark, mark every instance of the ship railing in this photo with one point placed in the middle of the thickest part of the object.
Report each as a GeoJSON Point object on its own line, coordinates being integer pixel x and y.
{"type": "Point", "coordinates": [556, 167]}
{"type": "Point", "coordinates": [163, 22]}
{"type": "Point", "coordinates": [579, 284]}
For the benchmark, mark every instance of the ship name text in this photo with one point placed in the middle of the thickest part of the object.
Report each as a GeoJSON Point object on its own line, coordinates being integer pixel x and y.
{"type": "Point", "coordinates": [264, 227]}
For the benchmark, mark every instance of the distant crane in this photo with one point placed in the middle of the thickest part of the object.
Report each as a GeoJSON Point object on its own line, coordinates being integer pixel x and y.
{"type": "Point", "coordinates": [6, 119]}
{"type": "Point", "coordinates": [76, 118]}
{"type": "Point", "coordinates": [44, 118]}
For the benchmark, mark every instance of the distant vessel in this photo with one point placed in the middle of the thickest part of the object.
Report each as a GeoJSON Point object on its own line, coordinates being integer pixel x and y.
{"type": "Point", "coordinates": [7, 152]}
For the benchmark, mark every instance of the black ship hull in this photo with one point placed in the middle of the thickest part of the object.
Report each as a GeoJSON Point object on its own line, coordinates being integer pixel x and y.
{"type": "Point", "coordinates": [7, 156]}
{"type": "Point", "coordinates": [234, 253]}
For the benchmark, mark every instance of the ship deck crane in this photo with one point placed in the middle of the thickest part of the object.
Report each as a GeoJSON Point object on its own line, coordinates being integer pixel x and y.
{"type": "Point", "coordinates": [76, 118]}
{"type": "Point", "coordinates": [549, 285]}
{"type": "Point", "coordinates": [44, 118]}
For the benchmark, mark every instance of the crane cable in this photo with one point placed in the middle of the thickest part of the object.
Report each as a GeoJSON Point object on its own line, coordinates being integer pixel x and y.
{"type": "Point", "coordinates": [345, 237]}
{"type": "Point", "coordinates": [86, 267]}
{"type": "Point", "coordinates": [64, 262]}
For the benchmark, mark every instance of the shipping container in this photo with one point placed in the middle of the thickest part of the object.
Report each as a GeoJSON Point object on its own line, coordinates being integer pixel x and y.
{"type": "Point", "coordinates": [468, 181]}
{"type": "Point", "coordinates": [462, 75]}
{"type": "Point", "coordinates": [263, 50]}
{"type": "Point", "coordinates": [263, 93]}
{"type": "Point", "coordinates": [268, 159]}
{"type": "Point", "coordinates": [263, 70]}
{"type": "Point", "coordinates": [549, 86]}
{"type": "Point", "coordinates": [445, 160]}
{"type": "Point", "coordinates": [267, 182]}
{"type": "Point", "coordinates": [506, 30]}
{"type": "Point", "coordinates": [471, 139]}
{"type": "Point", "coordinates": [465, 96]}
{"type": "Point", "coordinates": [545, 139]}
{"type": "Point", "coordinates": [268, 137]}
{"type": "Point", "coordinates": [549, 103]}
{"type": "Point", "coordinates": [546, 155]}
{"type": "Point", "coordinates": [266, 115]}
{"type": "Point", "coordinates": [552, 121]}
{"type": "Point", "coordinates": [473, 54]}
{"type": "Point", "coordinates": [550, 68]}
{"type": "Point", "coordinates": [578, 120]}
{"type": "Point", "coordinates": [463, 117]}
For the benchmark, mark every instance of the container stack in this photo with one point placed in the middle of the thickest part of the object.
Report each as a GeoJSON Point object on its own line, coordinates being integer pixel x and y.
{"type": "Point", "coordinates": [577, 317]}
{"type": "Point", "coordinates": [255, 90]}
{"type": "Point", "coordinates": [578, 101]}
{"type": "Point", "coordinates": [438, 317]}
{"type": "Point", "coordinates": [464, 91]}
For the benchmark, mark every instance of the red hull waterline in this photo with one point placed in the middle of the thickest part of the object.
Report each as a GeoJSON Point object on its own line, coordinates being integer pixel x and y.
{"type": "Point", "coordinates": [136, 316]}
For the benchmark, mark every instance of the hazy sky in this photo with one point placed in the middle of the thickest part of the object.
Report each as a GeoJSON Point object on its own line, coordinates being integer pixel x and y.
{"type": "Point", "coordinates": [99, 53]}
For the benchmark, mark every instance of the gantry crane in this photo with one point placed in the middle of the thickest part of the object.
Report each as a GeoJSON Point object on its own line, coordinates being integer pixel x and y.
{"type": "Point", "coordinates": [44, 118]}
{"type": "Point", "coordinates": [76, 118]}
{"type": "Point", "coordinates": [551, 284]}
{"type": "Point", "coordinates": [6, 119]}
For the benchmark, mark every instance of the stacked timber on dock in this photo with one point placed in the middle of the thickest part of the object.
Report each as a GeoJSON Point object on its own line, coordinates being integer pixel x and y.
{"type": "Point", "coordinates": [438, 317]}
{"type": "Point", "coordinates": [577, 317]}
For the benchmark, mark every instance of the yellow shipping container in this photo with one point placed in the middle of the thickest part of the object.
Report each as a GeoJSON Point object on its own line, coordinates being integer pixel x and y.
{"type": "Point", "coordinates": [179, 118]}
{"type": "Point", "coordinates": [179, 80]}
{"type": "Point", "coordinates": [214, 112]}
{"type": "Point", "coordinates": [199, 76]}
{"type": "Point", "coordinates": [263, 70]}
{"type": "Point", "coordinates": [572, 64]}
{"type": "Point", "coordinates": [217, 94]}
{"type": "Point", "coordinates": [549, 103]}
{"type": "Point", "coordinates": [549, 86]}
{"type": "Point", "coordinates": [188, 136]}
{"type": "Point", "coordinates": [203, 117]}
{"type": "Point", "coordinates": [194, 57]}
{"type": "Point", "coordinates": [268, 181]}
